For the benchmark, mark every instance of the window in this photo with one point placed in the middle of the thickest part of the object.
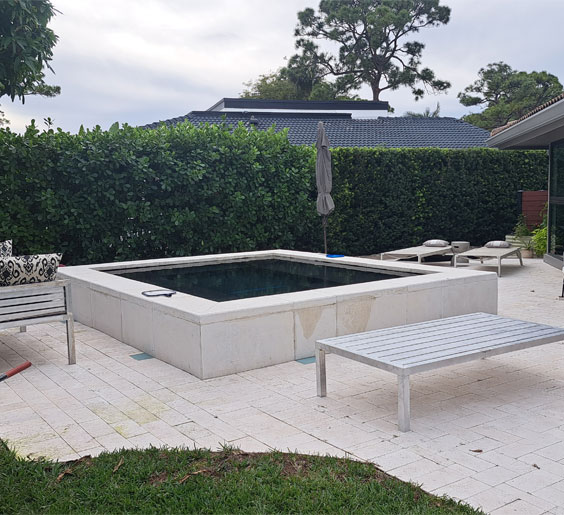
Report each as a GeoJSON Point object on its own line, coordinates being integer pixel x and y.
{"type": "Point", "coordinates": [556, 199]}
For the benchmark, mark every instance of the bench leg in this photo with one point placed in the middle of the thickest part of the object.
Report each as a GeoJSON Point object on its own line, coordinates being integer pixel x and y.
{"type": "Point", "coordinates": [23, 329]}
{"type": "Point", "coordinates": [403, 403]}
{"type": "Point", "coordinates": [520, 257]}
{"type": "Point", "coordinates": [320, 372]}
{"type": "Point", "coordinates": [70, 340]}
{"type": "Point", "coordinates": [499, 267]}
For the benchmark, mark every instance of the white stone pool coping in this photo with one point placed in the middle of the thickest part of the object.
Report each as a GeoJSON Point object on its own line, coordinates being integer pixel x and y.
{"type": "Point", "coordinates": [210, 339]}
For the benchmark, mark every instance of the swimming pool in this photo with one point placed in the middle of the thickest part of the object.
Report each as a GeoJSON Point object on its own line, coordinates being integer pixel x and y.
{"type": "Point", "coordinates": [210, 338]}
{"type": "Point", "coordinates": [235, 280]}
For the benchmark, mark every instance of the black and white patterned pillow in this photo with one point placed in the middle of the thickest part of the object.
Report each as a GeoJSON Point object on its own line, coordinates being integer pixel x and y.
{"type": "Point", "coordinates": [28, 269]}
{"type": "Point", "coordinates": [6, 248]}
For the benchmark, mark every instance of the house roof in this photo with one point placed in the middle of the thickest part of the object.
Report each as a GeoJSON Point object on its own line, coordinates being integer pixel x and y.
{"type": "Point", "coordinates": [345, 131]}
{"type": "Point", "coordinates": [536, 129]}
{"type": "Point", "coordinates": [537, 109]}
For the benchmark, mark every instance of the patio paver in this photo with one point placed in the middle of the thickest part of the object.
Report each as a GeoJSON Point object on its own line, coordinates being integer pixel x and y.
{"type": "Point", "coordinates": [488, 432]}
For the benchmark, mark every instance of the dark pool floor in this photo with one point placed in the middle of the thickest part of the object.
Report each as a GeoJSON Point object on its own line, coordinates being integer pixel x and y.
{"type": "Point", "coordinates": [253, 278]}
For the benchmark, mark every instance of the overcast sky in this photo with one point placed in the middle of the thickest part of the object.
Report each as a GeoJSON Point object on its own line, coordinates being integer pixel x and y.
{"type": "Point", "coordinates": [140, 61]}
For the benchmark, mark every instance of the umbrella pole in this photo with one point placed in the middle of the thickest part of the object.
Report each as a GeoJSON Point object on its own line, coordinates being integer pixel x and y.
{"type": "Point", "coordinates": [324, 222]}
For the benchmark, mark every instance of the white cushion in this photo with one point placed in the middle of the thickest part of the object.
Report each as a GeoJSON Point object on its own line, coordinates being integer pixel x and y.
{"type": "Point", "coordinates": [497, 244]}
{"type": "Point", "coordinates": [436, 243]}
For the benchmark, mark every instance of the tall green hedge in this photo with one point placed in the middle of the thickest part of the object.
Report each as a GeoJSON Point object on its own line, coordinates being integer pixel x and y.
{"type": "Point", "coordinates": [392, 198]}
{"type": "Point", "coordinates": [131, 193]}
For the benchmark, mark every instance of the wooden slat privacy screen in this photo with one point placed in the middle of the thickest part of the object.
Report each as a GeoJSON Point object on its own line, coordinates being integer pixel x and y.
{"type": "Point", "coordinates": [532, 206]}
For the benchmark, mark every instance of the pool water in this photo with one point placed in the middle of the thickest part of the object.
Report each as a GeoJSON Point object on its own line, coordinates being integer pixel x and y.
{"type": "Point", "coordinates": [254, 278]}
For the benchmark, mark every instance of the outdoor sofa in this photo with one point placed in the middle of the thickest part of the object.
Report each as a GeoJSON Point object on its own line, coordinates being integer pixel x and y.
{"type": "Point", "coordinates": [31, 294]}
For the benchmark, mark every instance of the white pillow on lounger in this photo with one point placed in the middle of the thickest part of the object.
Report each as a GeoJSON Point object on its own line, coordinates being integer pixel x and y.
{"type": "Point", "coordinates": [436, 243]}
{"type": "Point", "coordinates": [497, 244]}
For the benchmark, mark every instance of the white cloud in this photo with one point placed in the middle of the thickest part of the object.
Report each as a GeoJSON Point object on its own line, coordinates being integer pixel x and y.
{"type": "Point", "coordinates": [139, 61]}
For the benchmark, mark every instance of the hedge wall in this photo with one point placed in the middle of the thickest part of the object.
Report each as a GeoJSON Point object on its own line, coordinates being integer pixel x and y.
{"type": "Point", "coordinates": [392, 198]}
{"type": "Point", "coordinates": [131, 193]}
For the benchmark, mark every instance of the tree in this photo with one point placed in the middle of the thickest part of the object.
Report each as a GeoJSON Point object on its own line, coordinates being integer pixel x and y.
{"type": "Point", "coordinates": [507, 94]}
{"type": "Point", "coordinates": [26, 47]}
{"type": "Point", "coordinates": [271, 86]}
{"type": "Point", "coordinates": [425, 114]}
{"type": "Point", "coordinates": [370, 35]}
{"type": "Point", "coordinates": [301, 79]}
{"type": "Point", "coordinates": [278, 86]}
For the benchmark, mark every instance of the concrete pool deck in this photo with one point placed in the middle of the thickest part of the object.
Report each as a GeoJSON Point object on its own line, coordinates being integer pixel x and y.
{"type": "Point", "coordinates": [489, 432]}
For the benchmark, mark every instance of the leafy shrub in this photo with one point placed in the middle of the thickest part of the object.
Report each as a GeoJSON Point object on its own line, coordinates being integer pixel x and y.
{"type": "Point", "coordinates": [539, 240]}
{"type": "Point", "coordinates": [131, 193]}
{"type": "Point", "coordinates": [521, 228]}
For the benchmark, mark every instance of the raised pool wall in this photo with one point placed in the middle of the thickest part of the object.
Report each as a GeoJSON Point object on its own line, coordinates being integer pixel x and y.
{"type": "Point", "coordinates": [210, 339]}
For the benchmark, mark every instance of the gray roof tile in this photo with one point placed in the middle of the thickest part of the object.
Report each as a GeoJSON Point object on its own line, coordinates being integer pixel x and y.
{"type": "Point", "coordinates": [344, 131]}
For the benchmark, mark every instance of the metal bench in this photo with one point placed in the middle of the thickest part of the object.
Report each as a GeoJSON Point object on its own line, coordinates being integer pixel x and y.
{"type": "Point", "coordinates": [38, 303]}
{"type": "Point", "coordinates": [409, 349]}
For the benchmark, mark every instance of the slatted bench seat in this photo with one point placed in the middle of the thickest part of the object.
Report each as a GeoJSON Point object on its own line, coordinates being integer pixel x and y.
{"type": "Point", "coordinates": [38, 303]}
{"type": "Point", "coordinates": [413, 348]}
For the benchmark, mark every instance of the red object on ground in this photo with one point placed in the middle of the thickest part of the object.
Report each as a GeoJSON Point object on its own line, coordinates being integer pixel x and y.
{"type": "Point", "coordinates": [15, 370]}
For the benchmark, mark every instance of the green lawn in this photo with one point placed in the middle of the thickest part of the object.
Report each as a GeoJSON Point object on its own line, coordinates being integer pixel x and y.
{"type": "Point", "coordinates": [230, 481]}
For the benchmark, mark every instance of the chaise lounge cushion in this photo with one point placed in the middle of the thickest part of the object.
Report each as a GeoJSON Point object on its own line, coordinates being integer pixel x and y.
{"type": "Point", "coordinates": [6, 248]}
{"type": "Point", "coordinates": [436, 243]}
{"type": "Point", "coordinates": [28, 269]}
{"type": "Point", "coordinates": [497, 244]}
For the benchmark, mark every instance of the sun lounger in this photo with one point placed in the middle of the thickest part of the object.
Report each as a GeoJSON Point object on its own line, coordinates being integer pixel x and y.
{"type": "Point", "coordinates": [420, 252]}
{"type": "Point", "coordinates": [489, 253]}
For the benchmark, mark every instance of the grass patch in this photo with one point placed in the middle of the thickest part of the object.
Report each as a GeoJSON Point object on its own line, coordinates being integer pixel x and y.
{"type": "Point", "coordinates": [201, 481]}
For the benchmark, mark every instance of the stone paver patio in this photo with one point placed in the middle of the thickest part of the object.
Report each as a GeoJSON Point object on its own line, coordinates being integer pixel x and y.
{"type": "Point", "coordinates": [490, 432]}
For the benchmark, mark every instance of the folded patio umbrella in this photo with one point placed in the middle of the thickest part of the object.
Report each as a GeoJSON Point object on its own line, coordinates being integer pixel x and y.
{"type": "Point", "coordinates": [324, 179]}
